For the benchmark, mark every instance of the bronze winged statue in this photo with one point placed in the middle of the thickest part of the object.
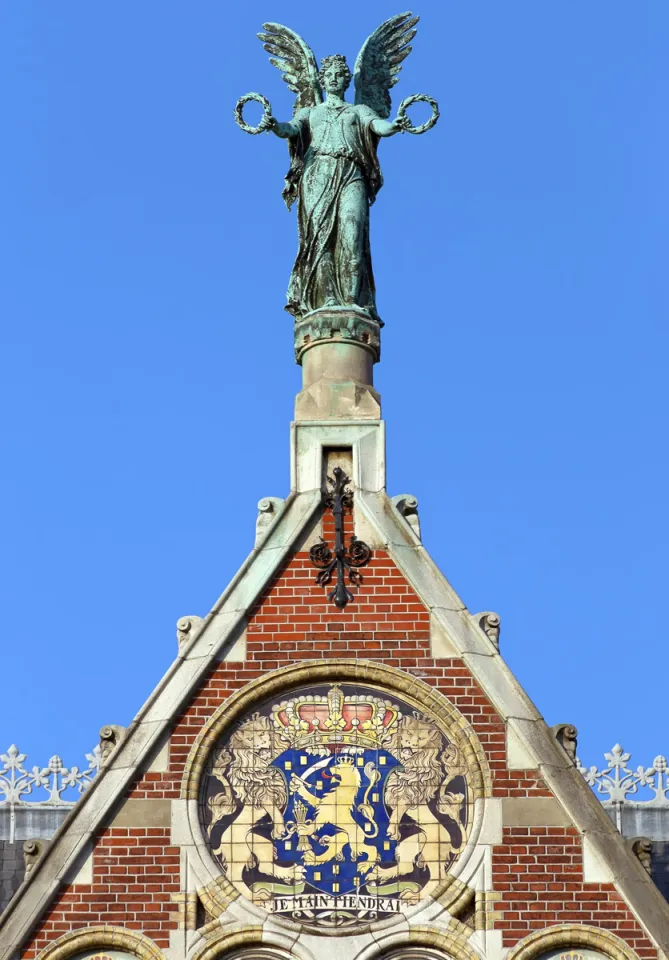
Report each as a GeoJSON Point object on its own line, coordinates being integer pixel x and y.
{"type": "Point", "coordinates": [334, 170]}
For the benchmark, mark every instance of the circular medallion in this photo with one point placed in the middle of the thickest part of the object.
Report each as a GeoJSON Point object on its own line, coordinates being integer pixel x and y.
{"type": "Point", "coordinates": [338, 806]}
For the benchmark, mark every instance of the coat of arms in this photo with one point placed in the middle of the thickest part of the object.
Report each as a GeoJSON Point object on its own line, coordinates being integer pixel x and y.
{"type": "Point", "coordinates": [337, 806]}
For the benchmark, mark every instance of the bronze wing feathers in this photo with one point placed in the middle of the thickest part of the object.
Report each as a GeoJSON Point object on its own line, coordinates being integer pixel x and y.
{"type": "Point", "coordinates": [379, 62]}
{"type": "Point", "coordinates": [296, 61]}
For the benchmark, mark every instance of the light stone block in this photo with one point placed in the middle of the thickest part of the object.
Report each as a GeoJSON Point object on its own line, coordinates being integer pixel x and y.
{"type": "Point", "coordinates": [492, 826]}
{"type": "Point", "coordinates": [236, 652]}
{"type": "Point", "coordinates": [518, 754]}
{"type": "Point", "coordinates": [84, 874]}
{"type": "Point", "coordinates": [534, 812]}
{"type": "Point", "coordinates": [441, 645]}
{"type": "Point", "coordinates": [141, 812]}
{"type": "Point", "coordinates": [161, 761]}
{"type": "Point", "coordinates": [310, 440]}
{"type": "Point", "coordinates": [594, 870]}
{"type": "Point", "coordinates": [501, 687]}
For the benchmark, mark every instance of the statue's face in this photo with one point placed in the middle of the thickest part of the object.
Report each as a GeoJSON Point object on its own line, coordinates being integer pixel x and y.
{"type": "Point", "coordinates": [336, 78]}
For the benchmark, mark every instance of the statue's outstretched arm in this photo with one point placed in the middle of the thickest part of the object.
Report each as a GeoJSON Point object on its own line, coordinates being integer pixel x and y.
{"type": "Point", "coordinates": [388, 128]}
{"type": "Point", "coordinates": [285, 130]}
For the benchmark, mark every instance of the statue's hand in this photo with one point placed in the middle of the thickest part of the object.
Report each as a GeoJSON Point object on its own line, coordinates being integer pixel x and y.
{"type": "Point", "coordinates": [268, 122]}
{"type": "Point", "coordinates": [401, 124]}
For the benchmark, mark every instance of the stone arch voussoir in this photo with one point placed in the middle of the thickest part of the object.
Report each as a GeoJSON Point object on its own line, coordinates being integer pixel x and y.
{"type": "Point", "coordinates": [571, 935]}
{"type": "Point", "coordinates": [99, 938]}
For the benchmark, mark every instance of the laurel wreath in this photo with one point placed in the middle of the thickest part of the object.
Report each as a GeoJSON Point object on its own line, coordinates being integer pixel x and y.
{"type": "Point", "coordinates": [416, 98]}
{"type": "Point", "coordinates": [239, 110]}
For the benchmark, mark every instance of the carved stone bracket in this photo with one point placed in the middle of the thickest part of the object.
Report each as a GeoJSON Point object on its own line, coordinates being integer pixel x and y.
{"type": "Point", "coordinates": [343, 323]}
{"type": "Point", "coordinates": [490, 623]}
{"type": "Point", "coordinates": [344, 561]}
{"type": "Point", "coordinates": [642, 848]}
{"type": "Point", "coordinates": [567, 736]}
{"type": "Point", "coordinates": [268, 509]}
{"type": "Point", "coordinates": [32, 851]}
{"type": "Point", "coordinates": [186, 627]}
{"type": "Point", "coordinates": [408, 507]}
{"type": "Point", "coordinates": [110, 737]}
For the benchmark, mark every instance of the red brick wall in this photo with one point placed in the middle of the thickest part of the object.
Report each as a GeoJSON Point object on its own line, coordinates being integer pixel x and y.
{"type": "Point", "coordinates": [538, 870]}
{"type": "Point", "coordinates": [135, 873]}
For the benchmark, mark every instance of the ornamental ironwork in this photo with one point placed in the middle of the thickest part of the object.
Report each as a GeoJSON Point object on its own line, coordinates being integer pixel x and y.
{"type": "Point", "coordinates": [43, 786]}
{"type": "Point", "coordinates": [619, 783]}
{"type": "Point", "coordinates": [343, 561]}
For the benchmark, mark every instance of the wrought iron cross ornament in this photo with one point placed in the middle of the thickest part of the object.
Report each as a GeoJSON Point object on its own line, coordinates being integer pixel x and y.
{"type": "Point", "coordinates": [343, 561]}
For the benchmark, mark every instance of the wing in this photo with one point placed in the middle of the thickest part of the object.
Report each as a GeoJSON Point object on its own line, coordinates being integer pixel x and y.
{"type": "Point", "coordinates": [296, 61]}
{"type": "Point", "coordinates": [379, 63]}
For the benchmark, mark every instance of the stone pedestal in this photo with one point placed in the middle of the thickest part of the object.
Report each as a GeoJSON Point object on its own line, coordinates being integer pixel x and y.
{"type": "Point", "coordinates": [337, 348]}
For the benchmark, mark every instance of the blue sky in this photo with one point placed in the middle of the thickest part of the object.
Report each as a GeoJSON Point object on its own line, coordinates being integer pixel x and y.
{"type": "Point", "coordinates": [520, 252]}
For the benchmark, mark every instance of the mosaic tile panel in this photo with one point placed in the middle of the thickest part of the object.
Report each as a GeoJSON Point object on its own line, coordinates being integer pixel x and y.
{"type": "Point", "coordinates": [338, 806]}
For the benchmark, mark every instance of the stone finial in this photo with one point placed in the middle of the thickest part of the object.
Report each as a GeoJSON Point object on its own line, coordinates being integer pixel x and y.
{"type": "Point", "coordinates": [408, 507]}
{"type": "Point", "coordinates": [566, 735]}
{"type": "Point", "coordinates": [186, 626]}
{"type": "Point", "coordinates": [491, 625]}
{"type": "Point", "coordinates": [110, 737]}
{"type": "Point", "coordinates": [642, 848]}
{"type": "Point", "coordinates": [268, 509]}
{"type": "Point", "coordinates": [32, 851]}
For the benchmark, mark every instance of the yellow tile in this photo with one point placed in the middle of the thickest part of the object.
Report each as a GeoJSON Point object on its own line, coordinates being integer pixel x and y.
{"type": "Point", "coordinates": [335, 868]}
{"type": "Point", "coordinates": [375, 798]}
{"type": "Point", "coordinates": [288, 765]}
{"type": "Point", "coordinates": [382, 761]}
{"type": "Point", "coordinates": [361, 761]}
{"type": "Point", "coordinates": [317, 875]}
{"type": "Point", "coordinates": [303, 761]}
{"type": "Point", "coordinates": [319, 785]}
{"type": "Point", "coordinates": [356, 881]}
{"type": "Point", "coordinates": [288, 845]}
{"type": "Point", "coordinates": [335, 888]}
{"type": "Point", "coordinates": [386, 844]}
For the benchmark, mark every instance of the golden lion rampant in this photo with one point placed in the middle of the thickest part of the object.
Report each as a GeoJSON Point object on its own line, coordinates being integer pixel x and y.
{"type": "Point", "coordinates": [335, 809]}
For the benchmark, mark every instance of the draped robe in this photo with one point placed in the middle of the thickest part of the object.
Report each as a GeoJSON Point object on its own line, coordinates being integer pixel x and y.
{"type": "Point", "coordinates": [333, 149]}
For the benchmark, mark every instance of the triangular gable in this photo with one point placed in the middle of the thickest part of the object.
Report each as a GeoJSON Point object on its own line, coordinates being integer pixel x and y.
{"type": "Point", "coordinates": [460, 636]}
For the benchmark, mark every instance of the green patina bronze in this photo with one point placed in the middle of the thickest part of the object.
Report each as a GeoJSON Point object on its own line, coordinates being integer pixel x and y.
{"type": "Point", "coordinates": [334, 171]}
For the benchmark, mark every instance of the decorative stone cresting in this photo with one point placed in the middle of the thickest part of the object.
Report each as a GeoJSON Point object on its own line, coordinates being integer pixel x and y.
{"type": "Point", "coordinates": [566, 735]}
{"type": "Point", "coordinates": [94, 938]}
{"type": "Point", "coordinates": [407, 506]}
{"type": "Point", "coordinates": [42, 786]}
{"type": "Point", "coordinates": [618, 783]}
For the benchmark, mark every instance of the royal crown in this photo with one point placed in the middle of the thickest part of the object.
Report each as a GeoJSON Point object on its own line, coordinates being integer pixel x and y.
{"type": "Point", "coordinates": [572, 955]}
{"type": "Point", "coordinates": [316, 722]}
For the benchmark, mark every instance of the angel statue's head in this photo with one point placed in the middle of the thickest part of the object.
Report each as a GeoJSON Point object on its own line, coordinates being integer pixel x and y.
{"type": "Point", "coordinates": [334, 74]}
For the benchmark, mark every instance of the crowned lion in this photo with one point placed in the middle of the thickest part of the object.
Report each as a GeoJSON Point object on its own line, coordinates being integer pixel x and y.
{"type": "Point", "coordinates": [252, 790]}
{"type": "Point", "coordinates": [413, 791]}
